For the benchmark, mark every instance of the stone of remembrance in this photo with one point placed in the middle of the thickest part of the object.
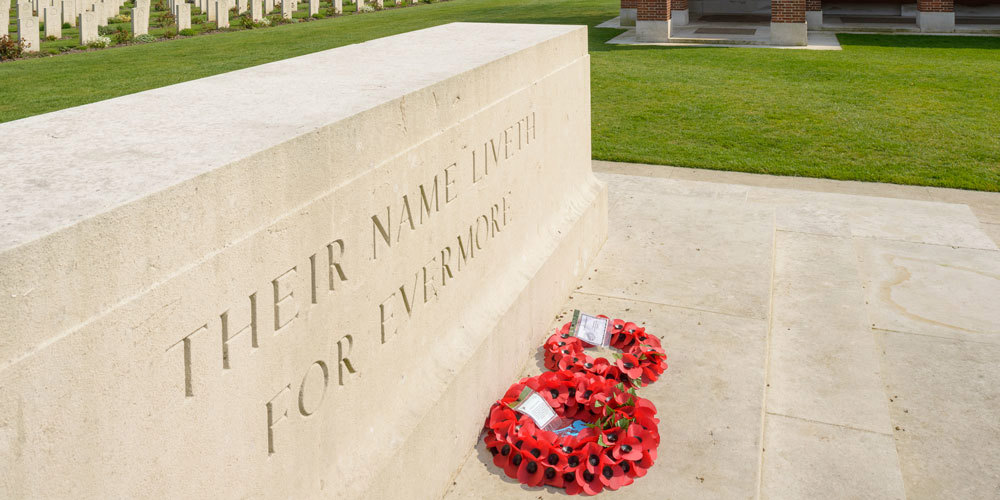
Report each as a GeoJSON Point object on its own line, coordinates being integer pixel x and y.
{"type": "Point", "coordinates": [303, 279]}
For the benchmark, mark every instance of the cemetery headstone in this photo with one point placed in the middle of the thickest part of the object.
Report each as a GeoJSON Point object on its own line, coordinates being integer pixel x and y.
{"type": "Point", "coordinates": [312, 307]}
{"type": "Point", "coordinates": [27, 30]}
{"type": "Point", "coordinates": [140, 20]}
{"type": "Point", "coordinates": [183, 16]}
{"type": "Point", "coordinates": [242, 6]}
{"type": "Point", "coordinates": [24, 9]}
{"type": "Point", "coordinates": [338, 7]}
{"type": "Point", "coordinates": [53, 21]}
{"type": "Point", "coordinates": [69, 12]}
{"type": "Point", "coordinates": [286, 9]}
{"type": "Point", "coordinates": [88, 27]}
{"type": "Point", "coordinates": [102, 9]}
{"type": "Point", "coordinates": [256, 10]}
{"type": "Point", "coordinates": [209, 9]}
{"type": "Point", "coordinates": [4, 22]}
{"type": "Point", "coordinates": [268, 6]}
{"type": "Point", "coordinates": [313, 7]}
{"type": "Point", "coordinates": [222, 13]}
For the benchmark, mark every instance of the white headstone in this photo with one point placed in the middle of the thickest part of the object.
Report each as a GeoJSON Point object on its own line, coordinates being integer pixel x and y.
{"type": "Point", "coordinates": [69, 12]}
{"type": "Point", "coordinates": [88, 27]}
{"type": "Point", "coordinates": [338, 6]}
{"type": "Point", "coordinates": [4, 22]}
{"type": "Point", "coordinates": [27, 30]}
{"type": "Point", "coordinates": [209, 9]}
{"type": "Point", "coordinates": [53, 21]}
{"type": "Point", "coordinates": [140, 20]}
{"type": "Point", "coordinates": [222, 14]}
{"type": "Point", "coordinates": [183, 16]}
{"type": "Point", "coordinates": [101, 10]}
{"type": "Point", "coordinates": [286, 9]}
{"type": "Point", "coordinates": [24, 9]}
{"type": "Point", "coordinates": [268, 6]}
{"type": "Point", "coordinates": [313, 7]}
{"type": "Point", "coordinates": [380, 4]}
{"type": "Point", "coordinates": [359, 4]}
{"type": "Point", "coordinates": [241, 6]}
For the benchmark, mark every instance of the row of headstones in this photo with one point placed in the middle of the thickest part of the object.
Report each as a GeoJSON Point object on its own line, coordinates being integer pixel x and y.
{"type": "Point", "coordinates": [89, 13]}
{"type": "Point", "coordinates": [96, 13]}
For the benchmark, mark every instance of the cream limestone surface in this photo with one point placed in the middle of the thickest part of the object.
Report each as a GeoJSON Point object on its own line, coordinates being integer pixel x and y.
{"type": "Point", "coordinates": [310, 307]}
{"type": "Point", "coordinates": [820, 343]}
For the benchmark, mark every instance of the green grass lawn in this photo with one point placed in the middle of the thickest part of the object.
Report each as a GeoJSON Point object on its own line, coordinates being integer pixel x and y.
{"type": "Point", "coordinates": [890, 108]}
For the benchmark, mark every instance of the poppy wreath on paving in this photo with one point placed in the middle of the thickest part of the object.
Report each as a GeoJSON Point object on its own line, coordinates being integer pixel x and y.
{"type": "Point", "coordinates": [617, 444]}
{"type": "Point", "coordinates": [642, 359]}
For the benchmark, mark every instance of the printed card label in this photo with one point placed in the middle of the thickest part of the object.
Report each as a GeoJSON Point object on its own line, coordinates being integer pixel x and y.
{"type": "Point", "coordinates": [536, 408]}
{"type": "Point", "coordinates": [590, 329]}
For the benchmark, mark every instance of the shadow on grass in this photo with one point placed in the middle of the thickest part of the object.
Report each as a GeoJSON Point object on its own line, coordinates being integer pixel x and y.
{"type": "Point", "coordinates": [920, 41]}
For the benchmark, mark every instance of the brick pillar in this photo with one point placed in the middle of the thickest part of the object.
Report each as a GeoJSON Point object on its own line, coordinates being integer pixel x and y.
{"type": "Point", "coordinates": [814, 14]}
{"type": "Point", "coordinates": [788, 22]}
{"type": "Point", "coordinates": [937, 16]}
{"type": "Point", "coordinates": [627, 13]}
{"type": "Point", "coordinates": [678, 12]}
{"type": "Point", "coordinates": [652, 20]}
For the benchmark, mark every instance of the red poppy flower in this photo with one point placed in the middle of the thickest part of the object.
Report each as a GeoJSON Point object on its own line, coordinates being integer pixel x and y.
{"type": "Point", "coordinates": [630, 366]}
{"type": "Point", "coordinates": [627, 448]}
{"type": "Point", "coordinates": [590, 483]}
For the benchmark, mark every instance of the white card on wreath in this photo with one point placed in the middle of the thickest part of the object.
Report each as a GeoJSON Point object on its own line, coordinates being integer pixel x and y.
{"type": "Point", "coordinates": [591, 329]}
{"type": "Point", "coordinates": [537, 408]}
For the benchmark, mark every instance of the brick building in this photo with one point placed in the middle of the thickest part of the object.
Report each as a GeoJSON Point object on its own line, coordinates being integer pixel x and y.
{"type": "Point", "coordinates": [789, 20]}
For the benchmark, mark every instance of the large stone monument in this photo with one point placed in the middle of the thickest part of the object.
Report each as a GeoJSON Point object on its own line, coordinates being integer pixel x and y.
{"type": "Point", "coordinates": [322, 305]}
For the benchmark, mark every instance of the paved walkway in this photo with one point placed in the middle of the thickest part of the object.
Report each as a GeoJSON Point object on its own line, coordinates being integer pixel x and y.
{"type": "Point", "coordinates": [826, 339]}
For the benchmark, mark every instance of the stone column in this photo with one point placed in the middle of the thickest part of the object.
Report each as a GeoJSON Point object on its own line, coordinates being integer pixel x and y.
{"type": "Point", "coordinates": [88, 27]}
{"type": "Point", "coordinates": [652, 20]}
{"type": "Point", "coordinates": [286, 9]}
{"type": "Point", "coordinates": [140, 20]}
{"type": "Point", "coordinates": [313, 7]}
{"type": "Point", "coordinates": [183, 16]}
{"type": "Point", "coordinates": [256, 10]}
{"type": "Point", "coordinates": [338, 6]}
{"type": "Point", "coordinates": [626, 14]}
{"type": "Point", "coordinates": [788, 22]}
{"type": "Point", "coordinates": [222, 14]}
{"type": "Point", "coordinates": [4, 22]}
{"type": "Point", "coordinates": [53, 21]}
{"type": "Point", "coordinates": [936, 16]}
{"type": "Point", "coordinates": [27, 30]}
{"type": "Point", "coordinates": [814, 14]}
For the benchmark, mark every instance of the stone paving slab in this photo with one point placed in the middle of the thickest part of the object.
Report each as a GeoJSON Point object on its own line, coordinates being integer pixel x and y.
{"type": "Point", "coordinates": [826, 339]}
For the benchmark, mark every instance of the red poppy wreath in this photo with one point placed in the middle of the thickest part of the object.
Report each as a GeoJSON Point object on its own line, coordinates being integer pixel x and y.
{"type": "Point", "coordinates": [642, 358]}
{"type": "Point", "coordinates": [615, 442]}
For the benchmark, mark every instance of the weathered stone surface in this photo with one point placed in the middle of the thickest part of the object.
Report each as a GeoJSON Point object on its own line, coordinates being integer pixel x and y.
{"type": "Point", "coordinates": [183, 16]}
{"type": "Point", "coordinates": [140, 21]}
{"type": "Point", "coordinates": [290, 313]}
{"type": "Point", "coordinates": [221, 14]}
{"type": "Point", "coordinates": [4, 22]}
{"type": "Point", "coordinates": [53, 21]}
{"type": "Point", "coordinates": [88, 27]}
{"type": "Point", "coordinates": [27, 30]}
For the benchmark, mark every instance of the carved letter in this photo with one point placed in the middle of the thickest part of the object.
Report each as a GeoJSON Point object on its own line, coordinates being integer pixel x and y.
{"type": "Point", "coordinates": [483, 218]}
{"type": "Point", "coordinates": [507, 141]}
{"type": "Point", "coordinates": [462, 254]}
{"type": "Point", "coordinates": [475, 178]}
{"type": "Point", "coordinates": [529, 128]}
{"type": "Point", "coordinates": [382, 310]}
{"type": "Point", "coordinates": [302, 387]}
{"type": "Point", "coordinates": [448, 198]}
{"type": "Point", "coordinates": [335, 264]}
{"type": "Point", "coordinates": [284, 300]}
{"type": "Point", "coordinates": [377, 225]}
{"type": "Point", "coordinates": [406, 301]}
{"type": "Point", "coordinates": [493, 219]}
{"type": "Point", "coordinates": [252, 326]}
{"type": "Point", "coordinates": [505, 207]}
{"type": "Point", "coordinates": [445, 268]}
{"type": "Point", "coordinates": [496, 154]}
{"type": "Point", "coordinates": [430, 281]}
{"type": "Point", "coordinates": [405, 216]}
{"type": "Point", "coordinates": [425, 204]}
{"type": "Point", "coordinates": [342, 361]}
{"type": "Point", "coordinates": [271, 421]}
{"type": "Point", "coordinates": [186, 342]}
